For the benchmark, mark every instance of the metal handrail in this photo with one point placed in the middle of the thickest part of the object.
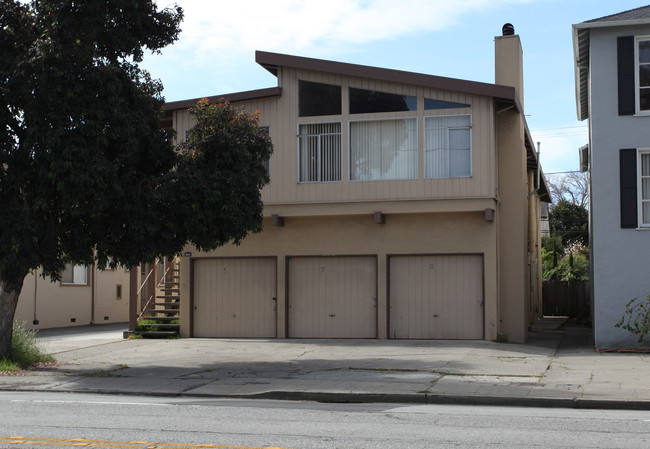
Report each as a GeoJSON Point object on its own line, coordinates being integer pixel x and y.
{"type": "Point", "coordinates": [145, 281]}
{"type": "Point", "coordinates": [145, 307]}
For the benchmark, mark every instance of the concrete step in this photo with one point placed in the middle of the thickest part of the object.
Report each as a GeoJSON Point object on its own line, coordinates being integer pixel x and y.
{"type": "Point", "coordinates": [156, 334]}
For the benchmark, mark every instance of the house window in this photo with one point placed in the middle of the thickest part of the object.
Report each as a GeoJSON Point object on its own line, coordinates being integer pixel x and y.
{"type": "Point", "coordinates": [644, 188]}
{"type": "Point", "coordinates": [384, 149]}
{"type": "Point", "coordinates": [369, 101]}
{"type": "Point", "coordinates": [75, 275]}
{"type": "Point", "coordinates": [319, 152]}
{"type": "Point", "coordinates": [430, 104]}
{"type": "Point", "coordinates": [643, 74]}
{"type": "Point", "coordinates": [448, 146]}
{"type": "Point", "coordinates": [316, 99]}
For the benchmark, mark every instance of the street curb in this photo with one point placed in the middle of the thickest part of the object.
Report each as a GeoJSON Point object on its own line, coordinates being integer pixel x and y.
{"type": "Point", "coordinates": [387, 398]}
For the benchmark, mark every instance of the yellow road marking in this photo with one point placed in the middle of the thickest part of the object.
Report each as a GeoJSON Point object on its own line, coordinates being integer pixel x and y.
{"type": "Point", "coordinates": [80, 442]}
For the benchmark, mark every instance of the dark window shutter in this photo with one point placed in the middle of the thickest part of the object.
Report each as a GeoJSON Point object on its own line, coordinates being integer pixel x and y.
{"type": "Point", "coordinates": [628, 188]}
{"type": "Point", "coordinates": [626, 85]}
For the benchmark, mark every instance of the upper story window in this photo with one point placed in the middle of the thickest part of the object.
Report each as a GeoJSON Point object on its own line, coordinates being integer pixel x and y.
{"type": "Point", "coordinates": [643, 75]}
{"type": "Point", "coordinates": [74, 275]}
{"type": "Point", "coordinates": [316, 99]}
{"type": "Point", "coordinates": [369, 101]}
{"type": "Point", "coordinates": [384, 149]}
{"type": "Point", "coordinates": [430, 104]}
{"type": "Point", "coordinates": [644, 188]}
{"type": "Point", "coordinates": [448, 146]}
{"type": "Point", "coordinates": [319, 152]}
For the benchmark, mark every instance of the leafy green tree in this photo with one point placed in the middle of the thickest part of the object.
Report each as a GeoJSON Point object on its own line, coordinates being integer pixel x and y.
{"type": "Point", "coordinates": [86, 171]}
{"type": "Point", "coordinates": [569, 221]}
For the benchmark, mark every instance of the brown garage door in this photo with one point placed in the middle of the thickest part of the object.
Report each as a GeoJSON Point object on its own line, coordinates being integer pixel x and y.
{"type": "Point", "coordinates": [235, 297]}
{"type": "Point", "coordinates": [332, 297]}
{"type": "Point", "coordinates": [437, 297]}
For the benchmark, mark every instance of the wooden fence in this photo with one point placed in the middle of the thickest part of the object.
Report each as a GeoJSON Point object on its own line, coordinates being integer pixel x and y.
{"type": "Point", "coordinates": [566, 298]}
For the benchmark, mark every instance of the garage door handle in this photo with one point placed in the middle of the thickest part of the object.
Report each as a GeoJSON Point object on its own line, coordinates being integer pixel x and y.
{"type": "Point", "coordinates": [332, 315]}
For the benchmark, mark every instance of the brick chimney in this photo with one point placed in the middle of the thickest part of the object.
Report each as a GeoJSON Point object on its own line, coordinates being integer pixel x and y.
{"type": "Point", "coordinates": [508, 61]}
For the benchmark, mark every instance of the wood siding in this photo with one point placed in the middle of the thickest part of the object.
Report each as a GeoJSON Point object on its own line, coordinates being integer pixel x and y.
{"type": "Point", "coordinates": [235, 297]}
{"type": "Point", "coordinates": [280, 114]}
{"type": "Point", "coordinates": [437, 297]}
{"type": "Point", "coordinates": [332, 297]}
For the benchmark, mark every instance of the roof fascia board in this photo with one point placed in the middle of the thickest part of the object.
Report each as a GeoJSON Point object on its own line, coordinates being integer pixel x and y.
{"type": "Point", "coordinates": [232, 98]}
{"type": "Point", "coordinates": [270, 61]}
{"type": "Point", "coordinates": [611, 23]}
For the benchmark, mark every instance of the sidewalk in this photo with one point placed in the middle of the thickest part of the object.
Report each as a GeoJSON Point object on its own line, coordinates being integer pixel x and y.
{"type": "Point", "coordinates": [555, 368]}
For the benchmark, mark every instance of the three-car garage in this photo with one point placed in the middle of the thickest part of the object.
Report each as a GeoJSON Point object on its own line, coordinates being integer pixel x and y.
{"type": "Point", "coordinates": [429, 296]}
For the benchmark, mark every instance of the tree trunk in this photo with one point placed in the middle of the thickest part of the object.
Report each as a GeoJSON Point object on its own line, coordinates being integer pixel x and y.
{"type": "Point", "coordinates": [8, 302]}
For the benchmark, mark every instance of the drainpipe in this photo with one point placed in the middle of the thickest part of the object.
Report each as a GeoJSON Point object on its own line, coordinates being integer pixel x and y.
{"type": "Point", "coordinates": [35, 321]}
{"type": "Point", "coordinates": [538, 175]}
{"type": "Point", "coordinates": [92, 294]}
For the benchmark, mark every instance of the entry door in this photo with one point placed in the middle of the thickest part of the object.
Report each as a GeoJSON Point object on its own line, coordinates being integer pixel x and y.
{"type": "Point", "coordinates": [235, 297]}
{"type": "Point", "coordinates": [333, 297]}
{"type": "Point", "coordinates": [437, 297]}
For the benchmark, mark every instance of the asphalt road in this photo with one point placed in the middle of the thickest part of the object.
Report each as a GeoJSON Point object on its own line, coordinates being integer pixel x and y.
{"type": "Point", "coordinates": [73, 420]}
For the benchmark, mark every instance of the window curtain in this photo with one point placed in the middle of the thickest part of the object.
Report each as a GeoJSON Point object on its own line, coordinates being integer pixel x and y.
{"type": "Point", "coordinates": [383, 149]}
{"type": "Point", "coordinates": [447, 146]}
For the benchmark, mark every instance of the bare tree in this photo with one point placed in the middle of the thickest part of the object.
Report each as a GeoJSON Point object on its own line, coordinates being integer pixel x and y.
{"type": "Point", "coordinates": [572, 187]}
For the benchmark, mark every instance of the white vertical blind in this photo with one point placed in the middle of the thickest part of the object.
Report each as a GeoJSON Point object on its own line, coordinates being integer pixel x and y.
{"type": "Point", "coordinates": [448, 146]}
{"type": "Point", "coordinates": [319, 147]}
{"type": "Point", "coordinates": [383, 149]}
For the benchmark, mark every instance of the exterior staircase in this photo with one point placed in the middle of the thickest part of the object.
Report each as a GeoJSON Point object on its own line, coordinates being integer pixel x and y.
{"type": "Point", "coordinates": [162, 318]}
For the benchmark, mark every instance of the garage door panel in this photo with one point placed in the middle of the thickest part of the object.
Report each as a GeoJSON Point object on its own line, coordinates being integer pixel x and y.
{"type": "Point", "coordinates": [436, 296]}
{"type": "Point", "coordinates": [332, 297]}
{"type": "Point", "coordinates": [234, 298]}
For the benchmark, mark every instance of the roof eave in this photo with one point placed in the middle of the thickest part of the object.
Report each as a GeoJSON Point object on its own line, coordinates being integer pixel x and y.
{"type": "Point", "coordinates": [248, 95]}
{"type": "Point", "coordinates": [271, 61]}
{"type": "Point", "coordinates": [612, 23]}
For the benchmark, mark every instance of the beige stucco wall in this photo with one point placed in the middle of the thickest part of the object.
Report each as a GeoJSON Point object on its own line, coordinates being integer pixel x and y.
{"type": "Point", "coordinates": [422, 233]}
{"type": "Point", "coordinates": [54, 304]}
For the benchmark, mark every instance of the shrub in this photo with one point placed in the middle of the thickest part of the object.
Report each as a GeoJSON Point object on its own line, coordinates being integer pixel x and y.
{"type": "Point", "coordinates": [636, 318]}
{"type": "Point", "coordinates": [26, 350]}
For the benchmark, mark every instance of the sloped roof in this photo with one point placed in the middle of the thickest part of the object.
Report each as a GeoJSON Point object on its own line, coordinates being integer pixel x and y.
{"type": "Point", "coordinates": [638, 16]}
{"type": "Point", "coordinates": [626, 16]}
{"type": "Point", "coordinates": [271, 61]}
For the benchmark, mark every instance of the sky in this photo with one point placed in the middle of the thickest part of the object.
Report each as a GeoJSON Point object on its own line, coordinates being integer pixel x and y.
{"type": "Point", "coordinates": [215, 54]}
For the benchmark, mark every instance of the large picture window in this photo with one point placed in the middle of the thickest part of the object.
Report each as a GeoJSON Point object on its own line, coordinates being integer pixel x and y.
{"type": "Point", "coordinates": [448, 146]}
{"type": "Point", "coordinates": [644, 188]}
{"type": "Point", "coordinates": [319, 152]}
{"type": "Point", "coordinates": [384, 149]}
{"type": "Point", "coordinates": [643, 75]}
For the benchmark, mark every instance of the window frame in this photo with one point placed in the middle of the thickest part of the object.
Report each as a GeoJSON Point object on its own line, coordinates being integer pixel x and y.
{"type": "Point", "coordinates": [298, 152]}
{"type": "Point", "coordinates": [639, 180]}
{"type": "Point", "coordinates": [637, 76]}
{"type": "Point", "coordinates": [425, 146]}
{"type": "Point", "coordinates": [386, 119]}
{"type": "Point", "coordinates": [73, 283]}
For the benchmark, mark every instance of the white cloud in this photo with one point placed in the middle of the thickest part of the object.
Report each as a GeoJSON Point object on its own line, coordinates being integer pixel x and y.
{"type": "Point", "coordinates": [305, 25]}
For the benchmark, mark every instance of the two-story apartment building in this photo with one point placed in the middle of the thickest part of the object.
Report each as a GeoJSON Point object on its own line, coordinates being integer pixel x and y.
{"type": "Point", "coordinates": [401, 205]}
{"type": "Point", "coordinates": [612, 70]}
